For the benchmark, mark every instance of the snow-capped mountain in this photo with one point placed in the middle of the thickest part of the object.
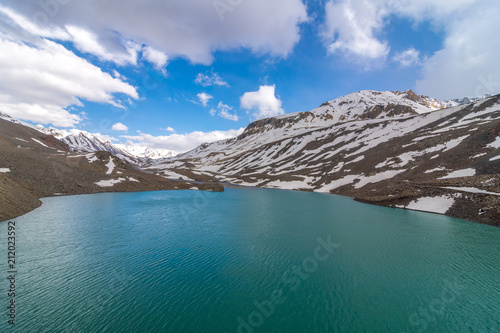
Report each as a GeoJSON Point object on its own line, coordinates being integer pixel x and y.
{"type": "Point", "coordinates": [87, 142]}
{"type": "Point", "coordinates": [389, 148]}
{"type": "Point", "coordinates": [35, 165]}
{"type": "Point", "coordinates": [362, 105]}
{"type": "Point", "coordinates": [461, 101]}
{"type": "Point", "coordinates": [395, 149]}
{"type": "Point", "coordinates": [145, 152]}
{"type": "Point", "coordinates": [9, 118]}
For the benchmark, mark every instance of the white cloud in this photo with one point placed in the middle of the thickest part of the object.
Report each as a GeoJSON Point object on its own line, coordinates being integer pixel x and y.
{"type": "Point", "coordinates": [40, 81]}
{"type": "Point", "coordinates": [84, 40]}
{"type": "Point", "coordinates": [169, 129]}
{"type": "Point", "coordinates": [180, 142]}
{"type": "Point", "coordinates": [351, 26]}
{"type": "Point", "coordinates": [155, 57]}
{"type": "Point", "coordinates": [119, 127]}
{"type": "Point", "coordinates": [427, 9]}
{"type": "Point", "coordinates": [42, 114]}
{"type": "Point", "coordinates": [224, 111]}
{"type": "Point", "coordinates": [410, 57]}
{"type": "Point", "coordinates": [210, 79]}
{"type": "Point", "coordinates": [87, 42]}
{"type": "Point", "coordinates": [204, 98]}
{"type": "Point", "coordinates": [32, 28]}
{"type": "Point", "coordinates": [190, 28]}
{"type": "Point", "coordinates": [468, 63]}
{"type": "Point", "coordinates": [263, 101]}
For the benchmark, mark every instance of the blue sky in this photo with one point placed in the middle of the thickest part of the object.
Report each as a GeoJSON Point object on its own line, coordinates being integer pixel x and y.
{"type": "Point", "coordinates": [175, 74]}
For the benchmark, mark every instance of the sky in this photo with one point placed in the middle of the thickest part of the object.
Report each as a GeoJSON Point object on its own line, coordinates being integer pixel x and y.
{"type": "Point", "coordinates": [177, 73]}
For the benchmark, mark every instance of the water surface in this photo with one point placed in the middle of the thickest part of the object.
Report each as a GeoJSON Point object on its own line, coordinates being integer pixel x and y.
{"type": "Point", "coordinates": [248, 260]}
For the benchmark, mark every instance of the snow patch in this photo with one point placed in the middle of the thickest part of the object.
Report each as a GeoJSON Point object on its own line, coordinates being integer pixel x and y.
{"type": "Point", "coordinates": [4, 170]}
{"type": "Point", "coordinates": [291, 185]}
{"type": "Point", "coordinates": [363, 180]}
{"type": "Point", "coordinates": [92, 158]}
{"type": "Point", "coordinates": [377, 178]}
{"type": "Point", "coordinates": [41, 143]}
{"type": "Point", "coordinates": [455, 142]}
{"type": "Point", "coordinates": [479, 155]}
{"type": "Point", "coordinates": [111, 166]}
{"type": "Point", "coordinates": [360, 158]}
{"type": "Point", "coordinates": [174, 175]}
{"type": "Point", "coordinates": [435, 169]}
{"type": "Point", "coordinates": [495, 158]}
{"type": "Point", "coordinates": [471, 190]}
{"type": "Point", "coordinates": [495, 144]}
{"type": "Point", "coordinates": [110, 182]}
{"type": "Point", "coordinates": [460, 173]}
{"type": "Point", "coordinates": [438, 205]}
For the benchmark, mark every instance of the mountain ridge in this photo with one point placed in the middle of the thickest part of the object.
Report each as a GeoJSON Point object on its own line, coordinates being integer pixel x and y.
{"type": "Point", "coordinates": [395, 149]}
{"type": "Point", "coordinates": [406, 158]}
{"type": "Point", "coordinates": [35, 165]}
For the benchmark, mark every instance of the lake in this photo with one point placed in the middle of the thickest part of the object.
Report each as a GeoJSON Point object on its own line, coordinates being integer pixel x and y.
{"type": "Point", "coordinates": [248, 260]}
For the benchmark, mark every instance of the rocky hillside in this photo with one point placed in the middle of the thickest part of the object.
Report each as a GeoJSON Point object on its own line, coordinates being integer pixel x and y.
{"type": "Point", "coordinates": [83, 141]}
{"type": "Point", "coordinates": [388, 148]}
{"type": "Point", "coordinates": [35, 165]}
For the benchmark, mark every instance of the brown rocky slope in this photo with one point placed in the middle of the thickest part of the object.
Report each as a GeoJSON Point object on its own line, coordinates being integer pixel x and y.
{"type": "Point", "coordinates": [444, 161]}
{"type": "Point", "coordinates": [35, 165]}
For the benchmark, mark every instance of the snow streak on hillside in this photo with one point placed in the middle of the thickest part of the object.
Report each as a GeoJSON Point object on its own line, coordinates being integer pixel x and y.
{"type": "Point", "coordinates": [379, 147]}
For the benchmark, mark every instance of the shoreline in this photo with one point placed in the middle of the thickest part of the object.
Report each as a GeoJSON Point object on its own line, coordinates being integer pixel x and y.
{"type": "Point", "coordinates": [229, 185]}
{"type": "Point", "coordinates": [36, 200]}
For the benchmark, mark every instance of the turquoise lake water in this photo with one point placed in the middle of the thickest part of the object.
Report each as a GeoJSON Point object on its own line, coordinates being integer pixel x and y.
{"type": "Point", "coordinates": [247, 260]}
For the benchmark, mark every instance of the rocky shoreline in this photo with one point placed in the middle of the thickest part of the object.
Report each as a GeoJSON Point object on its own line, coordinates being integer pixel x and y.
{"type": "Point", "coordinates": [35, 166]}
{"type": "Point", "coordinates": [22, 202]}
{"type": "Point", "coordinates": [443, 161]}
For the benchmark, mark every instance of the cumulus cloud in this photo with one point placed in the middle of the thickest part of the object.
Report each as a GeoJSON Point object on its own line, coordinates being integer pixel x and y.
{"type": "Point", "coordinates": [410, 57]}
{"type": "Point", "coordinates": [155, 57]}
{"type": "Point", "coordinates": [180, 143]}
{"type": "Point", "coordinates": [119, 127]}
{"type": "Point", "coordinates": [224, 111]}
{"type": "Point", "coordinates": [14, 18]}
{"type": "Point", "coordinates": [191, 28]}
{"type": "Point", "coordinates": [87, 42]}
{"type": "Point", "coordinates": [204, 98]}
{"type": "Point", "coordinates": [169, 129]}
{"type": "Point", "coordinates": [263, 102]}
{"type": "Point", "coordinates": [40, 81]}
{"type": "Point", "coordinates": [426, 9]}
{"type": "Point", "coordinates": [468, 63]}
{"type": "Point", "coordinates": [351, 26]}
{"type": "Point", "coordinates": [210, 79]}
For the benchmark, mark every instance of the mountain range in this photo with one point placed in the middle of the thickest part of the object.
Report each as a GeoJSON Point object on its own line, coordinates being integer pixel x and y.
{"type": "Point", "coordinates": [396, 149]}
{"type": "Point", "coordinates": [34, 164]}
